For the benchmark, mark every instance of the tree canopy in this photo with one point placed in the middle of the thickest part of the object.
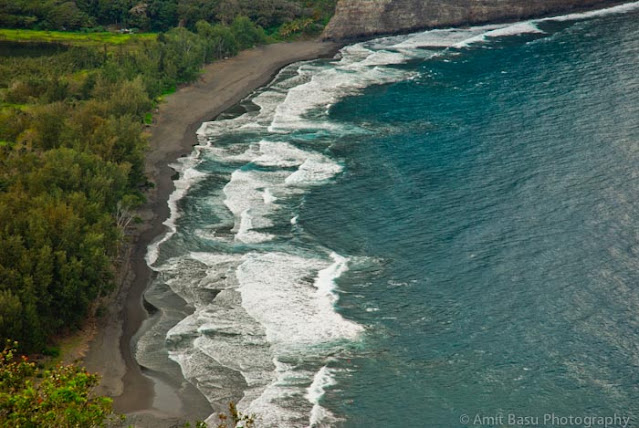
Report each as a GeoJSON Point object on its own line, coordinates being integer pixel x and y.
{"type": "Point", "coordinates": [72, 147]}
{"type": "Point", "coordinates": [157, 15]}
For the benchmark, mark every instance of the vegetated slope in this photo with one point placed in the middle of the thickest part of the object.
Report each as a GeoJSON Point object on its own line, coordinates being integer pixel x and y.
{"type": "Point", "coordinates": [72, 116]}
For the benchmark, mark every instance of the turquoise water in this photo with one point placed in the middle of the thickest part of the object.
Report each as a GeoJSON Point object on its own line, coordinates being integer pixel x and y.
{"type": "Point", "coordinates": [428, 226]}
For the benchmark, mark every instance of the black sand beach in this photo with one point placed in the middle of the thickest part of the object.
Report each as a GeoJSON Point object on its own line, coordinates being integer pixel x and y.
{"type": "Point", "coordinates": [222, 85]}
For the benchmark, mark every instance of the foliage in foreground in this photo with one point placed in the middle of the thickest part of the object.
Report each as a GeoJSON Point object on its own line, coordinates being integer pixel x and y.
{"type": "Point", "coordinates": [61, 397]}
{"type": "Point", "coordinates": [235, 418]}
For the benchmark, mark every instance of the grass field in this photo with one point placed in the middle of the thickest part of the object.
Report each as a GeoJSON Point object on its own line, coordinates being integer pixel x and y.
{"type": "Point", "coordinates": [71, 38]}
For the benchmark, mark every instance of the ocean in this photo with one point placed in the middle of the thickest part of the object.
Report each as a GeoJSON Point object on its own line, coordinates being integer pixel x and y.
{"type": "Point", "coordinates": [438, 229]}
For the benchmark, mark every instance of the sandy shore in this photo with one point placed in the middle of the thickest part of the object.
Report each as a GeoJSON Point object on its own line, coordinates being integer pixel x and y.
{"type": "Point", "coordinates": [150, 400]}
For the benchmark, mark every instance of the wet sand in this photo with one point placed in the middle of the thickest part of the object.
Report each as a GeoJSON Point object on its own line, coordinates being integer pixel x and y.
{"type": "Point", "coordinates": [149, 399]}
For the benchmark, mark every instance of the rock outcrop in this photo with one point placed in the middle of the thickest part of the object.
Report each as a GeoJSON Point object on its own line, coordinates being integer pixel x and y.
{"type": "Point", "coordinates": [356, 19]}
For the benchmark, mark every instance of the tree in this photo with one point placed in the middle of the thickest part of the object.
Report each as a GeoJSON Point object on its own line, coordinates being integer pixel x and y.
{"type": "Point", "coordinates": [227, 10]}
{"type": "Point", "coordinates": [67, 16]}
{"type": "Point", "coordinates": [235, 418]}
{"type": "Point", "coordinates": [71, 141]}
{"type": "Point", "coordinates": [61, 397]}
{"type": "Point", "coordinates": [184, 54]}
{"type": "Point", "coordinates": [220, 42]}
{"type": "Point", "coordinates": [10, 314]}
{"type": "Point", "coordinates": [190, 11]}
{"type": "Point", "coordinates": [113, 11]}
{"type": "Point", "coordinates": [246, 33]}
{"type": "Point", "coordinates": [129, 97]}
{"type": "Point", "coordinates": [162, 14]}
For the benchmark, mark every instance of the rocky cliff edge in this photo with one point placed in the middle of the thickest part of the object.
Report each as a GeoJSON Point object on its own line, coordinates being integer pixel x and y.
{"type": "Point", "coordinates": [359, 19]}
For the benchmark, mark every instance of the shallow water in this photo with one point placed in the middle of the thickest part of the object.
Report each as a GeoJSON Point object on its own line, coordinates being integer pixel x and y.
{"type": "Point", "coordinates": [430, 225]}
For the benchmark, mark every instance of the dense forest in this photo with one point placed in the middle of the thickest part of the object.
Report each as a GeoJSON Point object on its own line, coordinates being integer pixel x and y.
{"type": "Point", "coordinates": [160, 15]}
{"type": "Point", "coordinates": [72, 144]}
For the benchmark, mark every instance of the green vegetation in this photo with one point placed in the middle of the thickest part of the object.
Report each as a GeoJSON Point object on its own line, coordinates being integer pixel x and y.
{"type": "Point", "coordinates": [72, 166]}
{"type": "Point", "coordinates": [76, 38]}
{"type": "Point", "coordinates": [307, 16]}
{"type": "Point", "coordinates": [73, 107]}
{"type": "Point", "coordinates": [235, 418]}
{"type": "Point", "coordinates": [60, 397]}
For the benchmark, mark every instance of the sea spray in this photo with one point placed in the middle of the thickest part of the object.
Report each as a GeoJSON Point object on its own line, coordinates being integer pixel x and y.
{"type": "Point", "coordinates": [263, 288]}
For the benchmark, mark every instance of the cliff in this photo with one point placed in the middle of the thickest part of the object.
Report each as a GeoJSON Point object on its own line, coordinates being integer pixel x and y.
{"type": "Point", "coordinates": [356, 19]}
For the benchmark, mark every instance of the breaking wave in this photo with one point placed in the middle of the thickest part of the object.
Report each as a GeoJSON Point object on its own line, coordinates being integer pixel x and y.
{"type": "Point", "coordinates": [264, 294]}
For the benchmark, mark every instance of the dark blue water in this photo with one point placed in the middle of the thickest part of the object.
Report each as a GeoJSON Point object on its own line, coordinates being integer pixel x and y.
{"type": "Point", "coordinates": [428, 226]}
{"type": "Point", "coordinates": [501, 191]}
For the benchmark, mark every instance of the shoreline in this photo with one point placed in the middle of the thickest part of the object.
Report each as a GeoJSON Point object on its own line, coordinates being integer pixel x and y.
{"type": "Point", "coordinates": [222, 85]}
{"type": "Point", "coordinates": [150, 398]}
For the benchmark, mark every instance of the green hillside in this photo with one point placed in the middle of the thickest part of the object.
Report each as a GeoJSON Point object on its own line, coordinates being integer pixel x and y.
{"type": "Point", "coordinates": [73, 108]}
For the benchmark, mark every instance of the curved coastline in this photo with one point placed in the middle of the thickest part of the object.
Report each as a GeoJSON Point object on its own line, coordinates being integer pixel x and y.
{"type": "Point", "coordinates": [151, 399]}
{"type": "Point", "coordinates": [222, 85]}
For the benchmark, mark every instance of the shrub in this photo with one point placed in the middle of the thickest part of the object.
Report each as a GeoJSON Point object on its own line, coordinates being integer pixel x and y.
{"type": "Point", "coordinates": [61, 397]}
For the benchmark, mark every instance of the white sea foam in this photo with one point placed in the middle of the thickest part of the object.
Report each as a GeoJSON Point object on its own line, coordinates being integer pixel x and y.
{"type": "Point", "coordinates": [508, 30]}
{"type": "Point", "coordinates": [436, 39]}
{"type": "Point", "coordinates": [268, 197]}
{"type": "Point", "coordinates": [359, 68]}
{"type": "Point", "coordinates": [245, 232]}
{"type": "Point", "coordinates": [280, 154]}
{"type": "Point", "coordinates": [528, 27]}
{"type": "Point", "coordinates": [622, 8]}
{"type": "Point", "coordinates": [314, 170]}
{"type": "Point", "coordinates": [296, 314]}
{"type": "Point", "coordinates": [275, 307]}
{"type": "Point", "coordinates": [267, 100]}
{"type": "Point", "coordinates": [280, 403]}
{"type": "Point", "coordinates": [219, 128]}
{"type": "Point", "coordinates": [251, 194]}
{"type": "Point", "coordinates": [226, 336]}
{"type": "Point", "coordinates": [462, 37]}
{"type": "Point", "coordinates": [252, 210]}
{"type": "Point", "coordinates": [189, 175]}
{"type": "Point", "coordinates": [326, 277]}
{"type": "Point", "coordinates": [276, 292]}
{"type": "Point", "coordinates": [234, 154]}
{"type": "Point", "coordinates": [269, 309]}
{"type": "Point", "coordinates": [382, 58]}
{"type": "Point", "coordinates": [219, 333]}
{"type": "Point", "coordinates": [322, 380]}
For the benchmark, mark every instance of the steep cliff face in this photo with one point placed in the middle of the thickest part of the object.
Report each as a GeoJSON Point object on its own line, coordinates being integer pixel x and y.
{"type": "Point", "coordinates": [364, 18]}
